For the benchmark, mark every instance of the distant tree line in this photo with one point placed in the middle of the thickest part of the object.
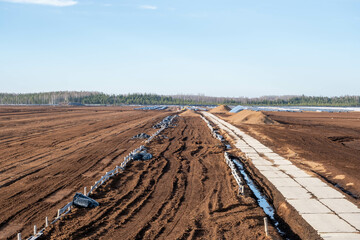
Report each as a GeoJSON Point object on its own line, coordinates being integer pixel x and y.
{"type": "Point", "coordinates": [65, 97]}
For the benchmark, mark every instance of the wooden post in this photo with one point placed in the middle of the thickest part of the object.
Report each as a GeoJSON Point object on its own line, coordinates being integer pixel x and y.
{"type": "Point", "coordinates": [19, 236]}
{"type": "Point", "coordinates": [35, 230]}
{"type": "Point", "coordinates": [46, 222]}
{"type": "Point", "coordinates": [266, 226]}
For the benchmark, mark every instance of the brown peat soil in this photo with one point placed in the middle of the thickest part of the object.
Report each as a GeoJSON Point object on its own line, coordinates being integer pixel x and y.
{"type": "Point", "coordinates": [326, 143]}
{"type": "Point", "coordinates": [186, 191]}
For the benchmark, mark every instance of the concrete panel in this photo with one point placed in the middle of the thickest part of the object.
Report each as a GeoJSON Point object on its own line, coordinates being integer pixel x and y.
{"type": "Point", "coordinates": [273, 155]}
{"type": "Point", "coordinates": [277, 158]}
{"type": "Point", "coordinates": [258, 159]}
{"type": "Point", "coordinates": [259, 162]}
{"type": "Point", "coordinates": [309, 206]}
{"type": "Point", "coordinates": [249, 140]}
{"type": "Point", "coordinates": [240, 146]}
{"type": "Point", "coordinates": [313, 181]}
{"type": "Point", "coordinates": [266, 168]}
{"type": "Point", "coordinates": [294, 192]}
{"type": "Point", "coordinates": [248, 150]}
{"type": "Point", "coordinates": [274, 174]}
{"type": "Point", "coordinates": [288, 167]}
{"type": "Point", "coordinates": [298, 174]}
{"type": "Point", "coordinates": [352, 218]}
{"type": "Point", "coordinates": [257, 143]}
{"type": "Point", "coordinates": [328, 223]}
{"type": "Point", "coordinates": [241, 142]}
{"type": "Point", "coordinates": [283, 182]}
{"type": "Point", "coordinates": [340, 205]}
{"type": "Point", "coordinates": [338, 236]}
{"type": "Point", "coordinates": [251, 155]}
{"type": "Point", "coordinates": [281, 162]}
{"type": "Point", "coordinates": [263, 150]}
{"type": "Point", "coordinates": [324, 192]}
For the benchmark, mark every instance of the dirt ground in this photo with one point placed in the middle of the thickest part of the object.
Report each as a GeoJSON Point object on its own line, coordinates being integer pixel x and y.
{"type": "Point", "coordinates": [185, 192]}
{"type": "Point", "coordinates": [325, 143]}
{"type": "Point", "coordinates": [49, 153]}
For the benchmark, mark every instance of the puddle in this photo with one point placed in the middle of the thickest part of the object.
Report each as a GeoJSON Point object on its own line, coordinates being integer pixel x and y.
{"type": "Point", "coordinates": [261, 199]}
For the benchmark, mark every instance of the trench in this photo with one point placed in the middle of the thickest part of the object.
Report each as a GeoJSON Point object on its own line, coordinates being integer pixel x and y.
{"type": "Point", "coordinates": [263, 202]}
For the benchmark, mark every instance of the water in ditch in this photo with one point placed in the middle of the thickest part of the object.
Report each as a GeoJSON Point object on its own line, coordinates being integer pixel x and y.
{"type": "Point", "coordinates": [261, 198]}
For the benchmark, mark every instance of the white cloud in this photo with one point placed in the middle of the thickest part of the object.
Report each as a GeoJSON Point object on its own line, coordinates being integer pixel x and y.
{"type": "Point", "coordinates": [57, 3]}
{"type": "Point", "coordinates": [149, 7]}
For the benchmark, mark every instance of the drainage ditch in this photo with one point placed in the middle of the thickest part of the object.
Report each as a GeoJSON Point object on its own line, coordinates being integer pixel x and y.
{"type": "Point", "coordinates": [263, 202]}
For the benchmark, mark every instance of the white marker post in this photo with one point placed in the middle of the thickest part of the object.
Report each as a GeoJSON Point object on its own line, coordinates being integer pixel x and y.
{"type": "Point", "coordinates": [19, 236]}
{"type": "Point", "coordinates": [58, 215]}
{"type": "Point", "coordinates": [46, 222]}
{"type": "Point", "coordinates": [35, 230]}
{"type": "Point", "coordinates": [266, 226]}
{"type": "Point", "coordinates": [85, 191]}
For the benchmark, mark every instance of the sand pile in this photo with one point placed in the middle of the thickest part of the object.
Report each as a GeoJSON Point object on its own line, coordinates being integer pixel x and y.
{"type": "Point", "coordinates": [220, 109]}
{"type": "Point", "coordinates": [189, 113]}
{"type": "Point", "coordinates": [250, 117]}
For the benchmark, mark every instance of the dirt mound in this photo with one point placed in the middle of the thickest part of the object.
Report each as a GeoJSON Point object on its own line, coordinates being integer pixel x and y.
{"type": "Point", "coordinates": [189, 113]}
{"type": "Point", "coordinates": [250, 117]}
{"type": "Point", "coordinates": [220, 109]}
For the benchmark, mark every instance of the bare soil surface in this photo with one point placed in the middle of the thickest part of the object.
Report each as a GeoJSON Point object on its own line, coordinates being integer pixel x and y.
{"type": "Point", "coordinates": [325, 143]}
{"type": "Point", "coordinates": [220, 109]}
{"type": "Point", "coordinates": [49, 153]}
{"type": "Point", "coordinates": [249, 117]}
{"type": "Point", "coordinates": [185, 192]}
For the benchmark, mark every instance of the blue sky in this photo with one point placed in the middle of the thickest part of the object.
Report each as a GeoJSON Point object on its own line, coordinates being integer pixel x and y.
{"type": "Point", "coordinates": [219, 48]}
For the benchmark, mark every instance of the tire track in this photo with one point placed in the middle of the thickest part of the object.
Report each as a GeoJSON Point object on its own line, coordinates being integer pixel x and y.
{"type": "Point", "coordinates": [185, 192]}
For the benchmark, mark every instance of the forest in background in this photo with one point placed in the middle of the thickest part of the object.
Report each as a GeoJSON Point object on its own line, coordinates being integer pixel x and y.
{"type": "Point", "coordinates": [98, 98]}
